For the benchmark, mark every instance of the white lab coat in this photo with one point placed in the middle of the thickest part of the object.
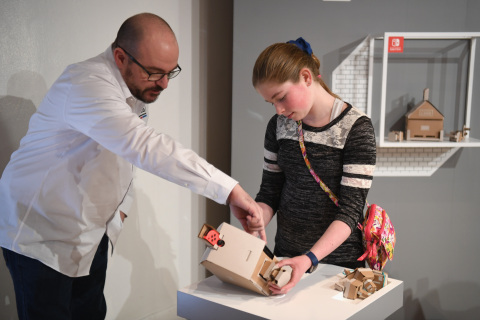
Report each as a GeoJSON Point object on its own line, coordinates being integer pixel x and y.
{"type": "Point", "coordinates": [73, 169]}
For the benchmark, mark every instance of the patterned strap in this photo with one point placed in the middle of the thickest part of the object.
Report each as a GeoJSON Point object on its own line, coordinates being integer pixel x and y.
{"type": "Point", "coordinates": [307, 162]}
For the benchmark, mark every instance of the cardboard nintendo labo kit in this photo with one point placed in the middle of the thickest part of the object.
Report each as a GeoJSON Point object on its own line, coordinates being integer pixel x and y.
{"type": "Point", "coordinates": [361, 283]}
{"type": "Point", "coordinates": [239, 258]}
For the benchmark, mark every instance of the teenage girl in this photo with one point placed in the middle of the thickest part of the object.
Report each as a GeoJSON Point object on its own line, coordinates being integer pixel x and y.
{"type": "Point", "coordinates": [313, 138]}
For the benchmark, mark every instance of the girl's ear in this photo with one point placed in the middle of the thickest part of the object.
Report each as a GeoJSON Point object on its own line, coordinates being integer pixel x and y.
{"type": "Point", "coordinates": [306, 76]}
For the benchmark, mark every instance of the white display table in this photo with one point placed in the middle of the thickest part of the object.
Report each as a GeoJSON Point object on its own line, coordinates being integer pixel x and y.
{"type": "Point", "coordinates": [314, 297]}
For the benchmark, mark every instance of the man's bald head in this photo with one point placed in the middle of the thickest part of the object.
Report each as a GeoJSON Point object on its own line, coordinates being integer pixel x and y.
{"type": "Point", "coordinates": [138, 28]}
{"type": "Point", "coordinates": [145, 45]}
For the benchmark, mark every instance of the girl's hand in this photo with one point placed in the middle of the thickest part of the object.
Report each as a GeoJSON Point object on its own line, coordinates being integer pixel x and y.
{"type": "Point", "coordinates": [299, 264]}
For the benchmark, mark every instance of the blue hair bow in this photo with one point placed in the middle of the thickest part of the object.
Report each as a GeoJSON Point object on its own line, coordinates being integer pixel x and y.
{"type": "Point", "coordinates": [302, 44]}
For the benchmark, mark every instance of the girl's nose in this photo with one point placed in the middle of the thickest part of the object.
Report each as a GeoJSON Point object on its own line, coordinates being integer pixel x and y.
{"type": "Point", "coordinates": [279, 109]}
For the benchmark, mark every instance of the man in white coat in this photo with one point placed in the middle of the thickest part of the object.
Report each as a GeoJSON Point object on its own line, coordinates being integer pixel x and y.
{"type": "Point", "coordinates": [63, 192]}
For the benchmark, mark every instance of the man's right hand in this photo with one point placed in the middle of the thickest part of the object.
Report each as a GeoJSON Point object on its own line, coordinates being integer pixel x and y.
{"type": "Point", "coordinates": [247, 211]}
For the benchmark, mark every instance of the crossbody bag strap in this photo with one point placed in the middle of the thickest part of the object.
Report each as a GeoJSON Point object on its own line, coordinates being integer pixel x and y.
{"type": "Point", "coordinates": [301, 140]}
{"type": "Point", "coordinates": [329, 192]}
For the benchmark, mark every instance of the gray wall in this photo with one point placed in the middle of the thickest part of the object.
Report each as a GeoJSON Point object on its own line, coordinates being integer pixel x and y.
{"type": "Point", "coordinates": [436, 218]}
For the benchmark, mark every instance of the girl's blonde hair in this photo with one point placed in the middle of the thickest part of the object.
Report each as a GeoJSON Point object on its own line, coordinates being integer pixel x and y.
{"type": "Point", "coordinates": [282, 62]}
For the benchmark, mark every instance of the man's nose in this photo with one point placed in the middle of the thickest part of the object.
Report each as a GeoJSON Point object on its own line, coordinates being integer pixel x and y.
{"type": "Point", "coordinates": [163, 82]}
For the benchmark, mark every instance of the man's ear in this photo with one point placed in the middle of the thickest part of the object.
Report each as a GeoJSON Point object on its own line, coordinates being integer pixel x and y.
{"type": "Point", "coordinates": [120, 58]}
{"type": "Point", "coordinates": [306, 76]}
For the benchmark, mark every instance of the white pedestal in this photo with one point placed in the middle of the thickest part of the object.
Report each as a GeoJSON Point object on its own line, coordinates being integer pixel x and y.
{"type": "Point", "coordinates": [314, 297]}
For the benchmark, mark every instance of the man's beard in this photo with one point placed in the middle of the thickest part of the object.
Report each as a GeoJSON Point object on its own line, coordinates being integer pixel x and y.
{"type": "Point", "coordinates": [144, 95]}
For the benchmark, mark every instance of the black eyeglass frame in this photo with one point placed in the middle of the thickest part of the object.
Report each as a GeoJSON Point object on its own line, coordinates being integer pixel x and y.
{"type": "Point", "coordinates": [170, 75]}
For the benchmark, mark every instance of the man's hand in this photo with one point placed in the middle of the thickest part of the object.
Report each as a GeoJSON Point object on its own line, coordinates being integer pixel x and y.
{"type": "Point", "coordinates": [247, 211]}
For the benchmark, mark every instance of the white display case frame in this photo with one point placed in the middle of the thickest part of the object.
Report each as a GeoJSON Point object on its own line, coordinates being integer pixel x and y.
{"type": "Point", "coordinates": [382, 142]}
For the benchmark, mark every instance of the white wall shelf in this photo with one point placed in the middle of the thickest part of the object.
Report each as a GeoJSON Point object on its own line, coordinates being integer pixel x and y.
{"type": "Point", "coordinates": [352, 79]}
{"type": "Point", "coordinates": [468, 142]}
{"type": "Point", "coordinates": [381, 140]}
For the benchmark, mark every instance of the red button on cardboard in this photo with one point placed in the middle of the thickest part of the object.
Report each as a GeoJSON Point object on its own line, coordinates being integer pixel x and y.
{"type": "Point", "coordinates": [395, 44]}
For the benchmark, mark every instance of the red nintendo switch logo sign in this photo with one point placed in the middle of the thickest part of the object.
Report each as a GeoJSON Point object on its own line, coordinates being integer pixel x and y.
{"type": "Point", "coordinates": [395, 44]}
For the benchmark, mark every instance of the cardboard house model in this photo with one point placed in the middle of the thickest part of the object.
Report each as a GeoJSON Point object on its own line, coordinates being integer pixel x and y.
{"type": "Point", "coordinates": [424, 121]}
{"type": "Point", "coordinates": [237, 257]}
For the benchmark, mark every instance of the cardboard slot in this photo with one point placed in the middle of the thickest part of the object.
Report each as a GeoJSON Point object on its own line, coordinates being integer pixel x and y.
{"type": "Point", "coordinates": [248, 256]}
{"type": "Point", "coordinates": [269, 253]}
{"type": "Point", "coordinates": [266, 269]}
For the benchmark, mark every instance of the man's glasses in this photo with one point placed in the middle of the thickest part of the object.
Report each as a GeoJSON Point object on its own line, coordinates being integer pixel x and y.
{"type": "Point", "coordinates": [154, 76]}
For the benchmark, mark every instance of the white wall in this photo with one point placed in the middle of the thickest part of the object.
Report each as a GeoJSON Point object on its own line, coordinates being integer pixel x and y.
{"type": "Point", "coordinates": [154, 254]}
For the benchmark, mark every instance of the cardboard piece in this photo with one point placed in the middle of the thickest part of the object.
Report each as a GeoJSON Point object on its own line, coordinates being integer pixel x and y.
{"type": "Point", "coordinates": [363, 294]}
{"type": "Point", "coordinates": [362, 274]}
{"type": "Point", "coordinates": [281, 276]}
{"type": "Point", "coordinates": [424, 121]}
{"type": "Point", "coordinates": [361, 283]}
{"type": "Point", "coordinates": [340, 285]}
{"type": "Point", "coordinates": [380, 279]}
{"type": "Point", "coordinates": [242, 260]}
{"type": "Point", "coordinates": [351, 288]}
{"type": "Point", "coordinates": [349, 273]}
{"type": "Point", "coordinates": [459, 135]}
{"type": "Point", "coordinates": [369, 286]}
{"type": "Point", "coordinates": [395, 136]}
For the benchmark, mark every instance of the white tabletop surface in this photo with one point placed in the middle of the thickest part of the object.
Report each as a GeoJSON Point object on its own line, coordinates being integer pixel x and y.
{"type": "Point", "coordinates": [314, 297]}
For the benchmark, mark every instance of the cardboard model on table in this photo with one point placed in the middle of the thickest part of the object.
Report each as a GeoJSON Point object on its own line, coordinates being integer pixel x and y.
{"type": "Point", "coordinates": [237, 257]}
